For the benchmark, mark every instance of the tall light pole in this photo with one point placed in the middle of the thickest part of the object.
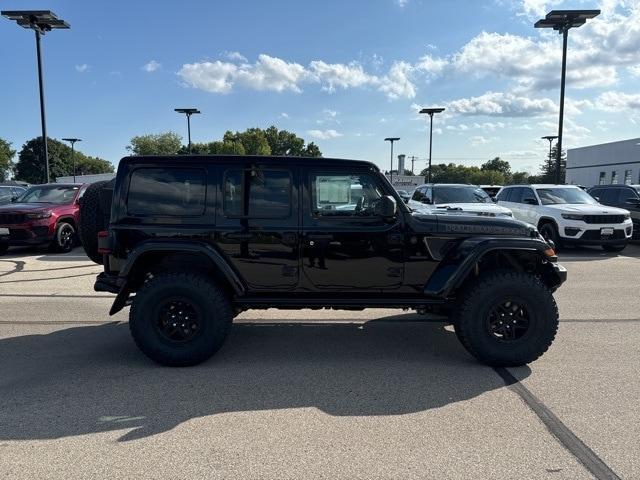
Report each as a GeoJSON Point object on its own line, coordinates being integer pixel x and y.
{"type": "Point", "coordinates": [562, 21]}
{"type": "Point", "coordinates": [391, 139]}
{"type": "Point", "coordinates": [188, 112]}
{"type": "Point", "coordinates": [551, 138]}
{"type": "Point", "coordinates": [40, 21]}
{"type": "Point", "coordinates": [72, 141]}
{"type": "Point", "coordinates": [413, 161]}
{"type": "Point", "coordinates": [430, 112]}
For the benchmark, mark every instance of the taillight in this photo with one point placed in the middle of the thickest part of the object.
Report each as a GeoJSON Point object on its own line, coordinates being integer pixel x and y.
{"type": "Point", "coordinates": [104, 245]}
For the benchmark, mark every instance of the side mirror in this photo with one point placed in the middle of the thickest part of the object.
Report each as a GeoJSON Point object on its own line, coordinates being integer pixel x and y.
{"type": "Point", "coordinates": [425, 200]}
{"type": "Point", "coordinates": [386, 207]}
{"type": "Point", "coordinates": [530, 201]}
{"type": "Point", "coordinates": [597, 199]}
{"type": "Point", "coordinates": [14, 198]}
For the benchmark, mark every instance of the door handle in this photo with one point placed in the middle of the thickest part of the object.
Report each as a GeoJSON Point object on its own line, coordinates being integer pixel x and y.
{"type": "Point", "coordinates": [238, 236]}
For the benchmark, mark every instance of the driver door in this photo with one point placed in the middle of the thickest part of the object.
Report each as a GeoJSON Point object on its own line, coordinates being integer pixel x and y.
{"type": "Point", "coordinates": [345, 246]}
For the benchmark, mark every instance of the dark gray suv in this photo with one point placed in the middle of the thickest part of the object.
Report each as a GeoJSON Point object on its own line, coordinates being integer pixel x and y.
{"type": "Point", "coordinates": [621, 196]}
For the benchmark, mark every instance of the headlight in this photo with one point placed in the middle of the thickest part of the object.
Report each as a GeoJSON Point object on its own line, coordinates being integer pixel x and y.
{"type": "Point", "coordinates": [572, 216]}
{"type": "Point", "coordinates": [627, 216]}
{"type": "Point", "coordinates": [38, 216]}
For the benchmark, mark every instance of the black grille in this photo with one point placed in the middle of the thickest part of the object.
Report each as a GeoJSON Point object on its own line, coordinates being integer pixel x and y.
{"type": "Point", "coordinates": [604, 218]}
{"type": "Point", "coordinates": [595, 235]}
{"type": "Point", "coordinates": [12, 218]}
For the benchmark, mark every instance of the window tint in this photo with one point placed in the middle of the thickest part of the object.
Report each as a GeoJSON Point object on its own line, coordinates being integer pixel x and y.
{"type": "Point", "coordinates": [418, 194]}
{"type": "Point", "coordinates": [516, 195]}
{"type": "Point", "coordinates": [608, 196]}
{"type": "Point", "coordinates": [428, 193]}
{"type": "Point", "coordinates": [344, 195]}
{"type": "Point", "coordinates": [269, 193]}
{"type": "Point", "coordinates": [528, 193]}
{"type": "Point", "coordinates": [596, 192]}
{"type": "Point", "coordinates": [504, 194]}
{"type": "Point", "coordinates": [167, 191]}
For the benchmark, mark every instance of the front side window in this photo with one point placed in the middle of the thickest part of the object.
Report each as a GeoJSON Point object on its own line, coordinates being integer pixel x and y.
{"type": "Point", "coordinates": [59, 195]}
{"type": "Point", "coordinates": [503, 195]}
{"type": "Point", "coordinates": [418, 194]}
{"type": "Point", "coordinates": [344, 195]}
{"type": "Point", "coordinates": [269, 193]}
{"type": "Point", "coordinates": [570, 196]}
{"type": "Point", "coordinates": [470, 194]}
{"type": "Point", "coordinates": [167, 191]}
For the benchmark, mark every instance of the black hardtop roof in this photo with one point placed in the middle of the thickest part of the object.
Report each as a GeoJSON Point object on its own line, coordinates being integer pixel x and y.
{"type": "Point", "coordinates": [263, 159]}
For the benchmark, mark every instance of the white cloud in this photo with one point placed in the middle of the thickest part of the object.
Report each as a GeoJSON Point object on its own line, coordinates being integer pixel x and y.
{"type": "Point", "coordinates": [235, 57]}
{"type": "Point", "coordinates": [330, 113]}
{"type": "Point", "coordinates": [614, 101]}
{"type": "Point", "coordinates": [271, 73]}
{"type": "Point", "coordinates": [402, 3]}
{"type": "Point", "coordinates": [284, 115]}
{"type": "Point", "coordinates": [500, 104]}
{"type": "Point", "coordinates": [634, 70]}
{"type": "Point", "coordinates": [82, 68]}
{"type": "Point", "coordinates": [478, 140]}
{"type": "Point", "coordinates": [332, 75]}
{"type": "Point", "coordinates": [324, 134]}
{"type": "Point", "coordinates": [216, 77]}
{"type": "Point", "coordinates": [396, 84]}
{"type": "Point", "coordinates": [151, 66]}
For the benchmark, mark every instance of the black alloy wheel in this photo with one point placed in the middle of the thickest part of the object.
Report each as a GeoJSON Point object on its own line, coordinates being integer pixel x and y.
{"type": "Point", "coordinates": [508, 321]}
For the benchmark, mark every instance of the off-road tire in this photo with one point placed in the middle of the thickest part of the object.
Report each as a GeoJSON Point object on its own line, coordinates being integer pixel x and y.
{"type": "Point", "coordinates": [614, 248]}
{"type": "Point", "coordinates": [471, 318]}
{"type": "Point", "coordinates": [64, 239]}
{"type": "Point", "coordinates": [92, 220]}
{"type": "Point", "coordinates": [210, 303]}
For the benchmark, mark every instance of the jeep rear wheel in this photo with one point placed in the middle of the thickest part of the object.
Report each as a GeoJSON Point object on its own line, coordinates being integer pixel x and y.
{"type": "Point", "coordinates": [180, 319]}
{"type": "Point", "coordinates": [506, 319]}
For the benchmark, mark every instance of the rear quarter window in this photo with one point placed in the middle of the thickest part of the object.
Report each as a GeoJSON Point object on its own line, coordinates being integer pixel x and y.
{"type": "Point", "coordinates": [167, 192]}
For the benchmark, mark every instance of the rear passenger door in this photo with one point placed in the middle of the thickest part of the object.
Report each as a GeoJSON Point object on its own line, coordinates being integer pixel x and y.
{"type": "Point", "coordinates": [257, 223]}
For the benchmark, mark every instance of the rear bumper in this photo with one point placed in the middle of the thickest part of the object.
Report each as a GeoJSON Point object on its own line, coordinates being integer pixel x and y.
{"type": "Point", "coordinates": [108, 283]}
{"type": "Point", "coordinates": [561, 272]}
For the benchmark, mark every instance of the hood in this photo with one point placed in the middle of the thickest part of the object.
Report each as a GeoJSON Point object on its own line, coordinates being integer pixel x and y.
{"type": "Point", "coordinates": [471, 225]}
{"type": "Point", "coordinates": [587, 209]}
{"type": "Point", "coordinates": [464, 207]}
{"type": "Point", "coordinates": [25, 207]}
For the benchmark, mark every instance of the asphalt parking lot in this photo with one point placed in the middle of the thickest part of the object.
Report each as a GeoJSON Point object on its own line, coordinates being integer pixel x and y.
{"type": "Point", "coordinates": [307, 394]}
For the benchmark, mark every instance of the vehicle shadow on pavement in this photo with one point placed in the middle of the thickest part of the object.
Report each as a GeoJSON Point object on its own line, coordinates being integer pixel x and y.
{"type": "Point", "coordinates": [93, 379]}
{"type": "Point", "coordinates": [596, 253]}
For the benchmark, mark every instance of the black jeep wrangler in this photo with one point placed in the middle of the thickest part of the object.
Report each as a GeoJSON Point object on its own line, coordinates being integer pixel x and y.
{"type": "Point", "coordinates": [191, 241]}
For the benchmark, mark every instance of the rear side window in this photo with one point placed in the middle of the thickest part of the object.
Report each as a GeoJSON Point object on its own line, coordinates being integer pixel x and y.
{"type": "Point", "coordinates": [609, 196]}
{"type": "Point", "coordinates": [269, 193]}
{"type": "Point", "coordinates": [504, 194]}
{"type": "Point", "coordinates": [167, 192]}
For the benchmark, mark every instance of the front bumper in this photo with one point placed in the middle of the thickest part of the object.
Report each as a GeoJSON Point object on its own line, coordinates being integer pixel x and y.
{"type": "Point", "coordinates": [26, 234]}
{"type": "Point", "coordinates": [580, 233]}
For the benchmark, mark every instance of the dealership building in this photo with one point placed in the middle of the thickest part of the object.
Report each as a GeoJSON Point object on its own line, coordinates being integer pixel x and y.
{"type": "Point", "coordinates": [604, 164]}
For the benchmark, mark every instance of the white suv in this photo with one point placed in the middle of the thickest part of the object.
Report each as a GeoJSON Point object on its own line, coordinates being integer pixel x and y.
{"type": "Point", "coordinates": [567, 214]}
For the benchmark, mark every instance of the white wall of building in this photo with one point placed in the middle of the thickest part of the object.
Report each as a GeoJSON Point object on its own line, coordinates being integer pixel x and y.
{"type": "Point", "coordinates": [605, 164]}
{"type": "Point", "coordinates": [86, 178]}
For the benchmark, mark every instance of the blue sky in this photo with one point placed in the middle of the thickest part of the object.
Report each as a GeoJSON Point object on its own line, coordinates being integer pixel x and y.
{"type": "Point", "coordinates": [344, 74]}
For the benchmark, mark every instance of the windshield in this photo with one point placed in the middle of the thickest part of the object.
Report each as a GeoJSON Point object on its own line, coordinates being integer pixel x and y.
{"type": "Point", "coordinates": [570, 196]}
{"type": "Point", "coordinates": [49, 194]}
{"type": "Point", "coordinates": [460, 195]}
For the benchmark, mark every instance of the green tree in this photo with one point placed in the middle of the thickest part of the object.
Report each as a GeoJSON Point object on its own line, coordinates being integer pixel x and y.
{"type": "Point", "coordinates": [254, 141]}
{"type": "Point", "coordinates": [6, 156]}
{"type": "Point", "coordinates": [519, 178]}
{"type": "Point", "coordinates": [455, 173]}
{"type": "Point", "coordinates": [548, 168]}
{"type": "Point", "coordinates": [31, 165]}
{"type": "Point", "coordinates": [168, 143]}
{"type": "Point", "coordinates": [283, 142]}
{"type": "Point", "coordinates": [498, 165]}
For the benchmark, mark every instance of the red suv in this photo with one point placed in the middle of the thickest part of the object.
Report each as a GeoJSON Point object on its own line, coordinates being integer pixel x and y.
{"type": "Point", "coordinates": [43, 214]}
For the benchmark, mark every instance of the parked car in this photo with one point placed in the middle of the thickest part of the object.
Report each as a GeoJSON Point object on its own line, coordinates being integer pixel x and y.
{"type": "Point", "coordinates": [566, 214]}
{"type": "Point", "coordinates": [192, 242]}
{"type": "Point", "coordinates": [492, 190]}
{"type": "Point", "coordinates": [404, 195]}
{"type": "Point", "coordinates": [469, 199]}
{"type": "Point", "coordinates": [9, 193]}
{"type": "Point", "coordinates": [44, 214]}
{"type": "Point", "coordinates": [621, 196]}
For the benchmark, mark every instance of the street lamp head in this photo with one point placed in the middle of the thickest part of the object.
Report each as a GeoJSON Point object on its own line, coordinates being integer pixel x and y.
{"type": "Point", "coordinates": [40, 20]}
{"type": "Point", "coordinates": [72, 140]}
{"type": "Point", "coordinates": [549, 137]}
{"type": "Point", "coordinates": [391, 139]}
{"type": "Point", "coordinates": [562, 20]}
{"type": "Point", "coordinates": [431, 111]}
{"type": "Point", "coordinates": [188, 111]}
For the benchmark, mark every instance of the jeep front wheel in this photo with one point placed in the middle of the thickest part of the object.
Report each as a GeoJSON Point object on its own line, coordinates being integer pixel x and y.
{"type": "Point", "coordinates": [180, 319]}
{"type": "Point", "coordinates": [506, 319]}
